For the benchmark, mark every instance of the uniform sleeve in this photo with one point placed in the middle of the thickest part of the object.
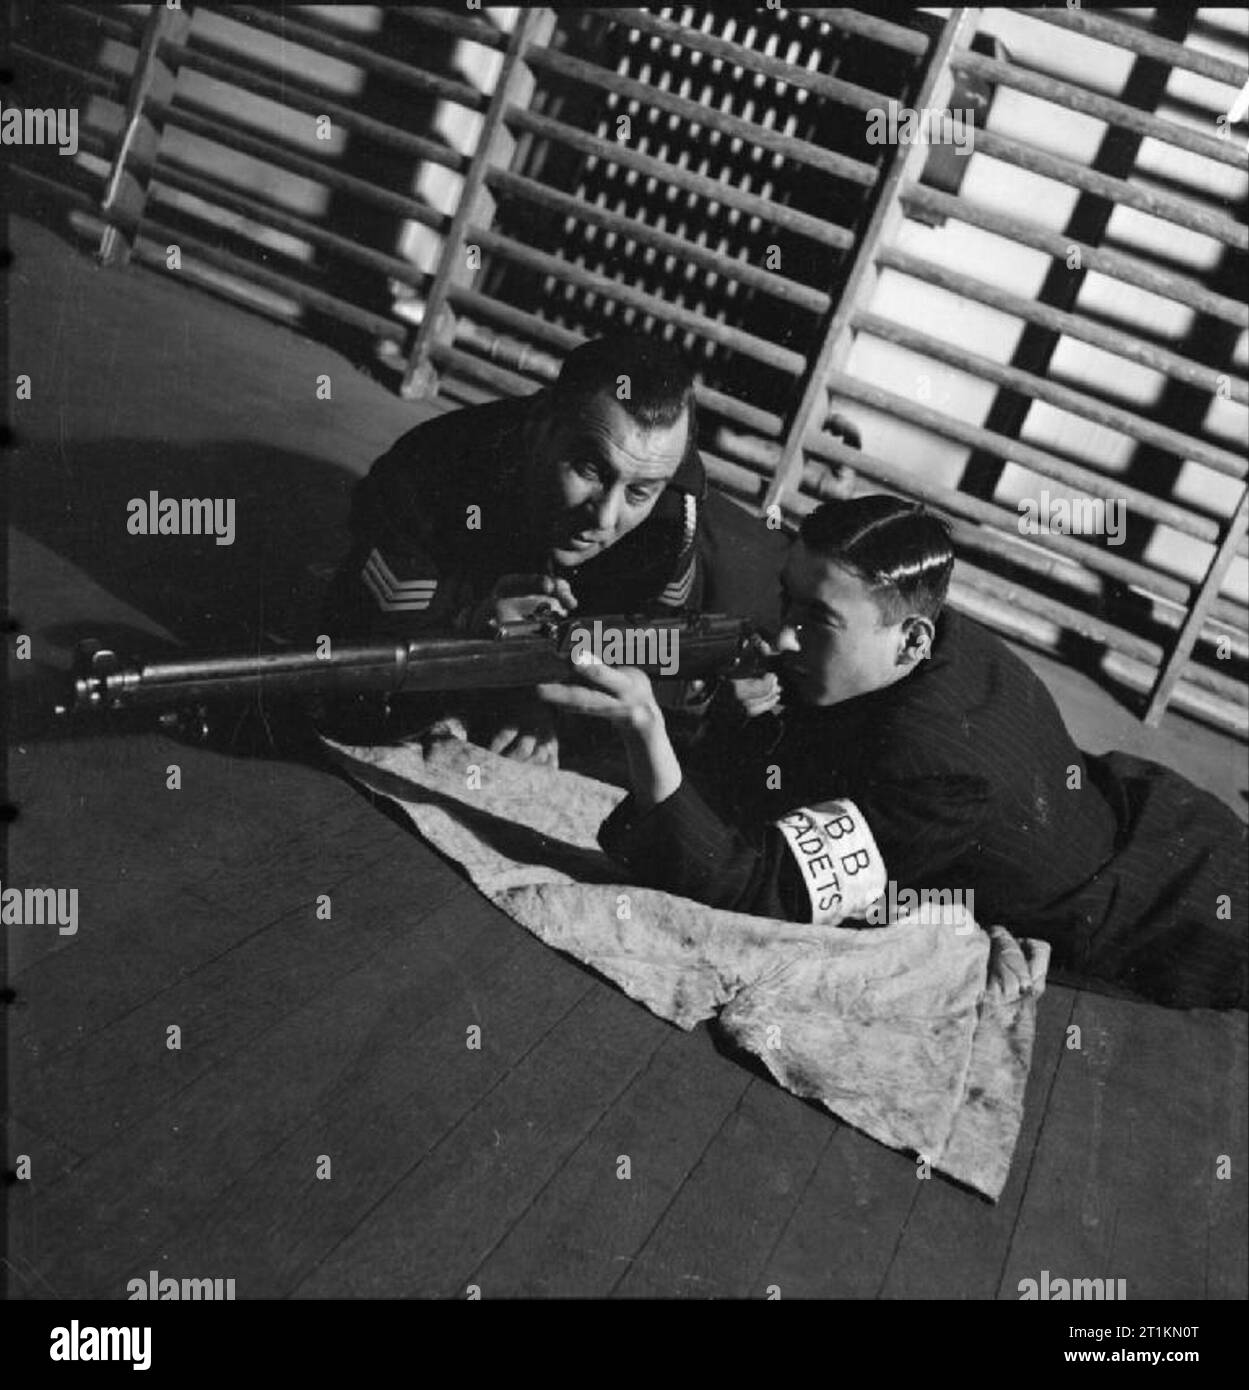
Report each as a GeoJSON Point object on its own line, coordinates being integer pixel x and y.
{"type": "Point", "coordinates": [399, 578]}
{"type": "Point", "coordinates": [822, 863]}
{"type": "Point", "coordinates": [929, 827]}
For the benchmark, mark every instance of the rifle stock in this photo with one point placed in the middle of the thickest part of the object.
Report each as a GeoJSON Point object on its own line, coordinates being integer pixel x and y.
{"type": "Point", "coordinates": [518, 655]}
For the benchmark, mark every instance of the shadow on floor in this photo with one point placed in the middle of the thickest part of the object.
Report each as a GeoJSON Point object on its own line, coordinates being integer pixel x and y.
{"type": "Point", "coordinates": [290, 514]}
{"type": "Point", "coordinates": [262, 590]}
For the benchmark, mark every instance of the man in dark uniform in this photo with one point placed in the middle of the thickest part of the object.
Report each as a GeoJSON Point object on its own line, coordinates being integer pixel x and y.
{"type": "Point", "coordinates": [584, 496]}
{"type": "Point", "coordinates": [915, 747]}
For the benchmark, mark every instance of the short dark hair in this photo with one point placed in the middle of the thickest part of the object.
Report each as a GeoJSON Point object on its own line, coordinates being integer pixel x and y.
{"type": "Point", "coordinates": [661, 384]}
{"type": "Point", "coordinates": [902, 552]}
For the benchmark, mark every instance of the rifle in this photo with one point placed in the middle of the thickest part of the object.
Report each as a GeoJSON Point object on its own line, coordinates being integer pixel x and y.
{"type": "Point", "coordinates": [518, 654]}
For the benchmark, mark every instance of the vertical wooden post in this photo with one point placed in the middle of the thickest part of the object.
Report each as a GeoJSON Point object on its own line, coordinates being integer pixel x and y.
{"type": "Point", "coordinates": [125, 192]}
{"type": "Point", "coordinates": [908, 165]}
{"type": "Point", "coordinates": [495, 146]}
{"type": "Point", "coordinates": [1171, 670]}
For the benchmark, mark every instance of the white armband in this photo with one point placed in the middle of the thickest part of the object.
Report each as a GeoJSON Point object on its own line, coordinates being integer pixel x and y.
{"type": "Point", "coordinates": [840, 864]}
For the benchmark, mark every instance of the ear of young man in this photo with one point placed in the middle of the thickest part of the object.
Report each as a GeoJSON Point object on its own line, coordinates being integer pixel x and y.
{"type": "Point", "coordinates": [918, 634]}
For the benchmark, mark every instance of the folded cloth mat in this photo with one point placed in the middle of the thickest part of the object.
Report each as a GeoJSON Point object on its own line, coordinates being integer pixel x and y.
{"type": "Point", "coordinates": [919, 1035]}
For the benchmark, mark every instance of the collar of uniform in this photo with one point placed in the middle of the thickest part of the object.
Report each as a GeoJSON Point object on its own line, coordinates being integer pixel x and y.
{"type": "Point", "coordinates": [691, 476]}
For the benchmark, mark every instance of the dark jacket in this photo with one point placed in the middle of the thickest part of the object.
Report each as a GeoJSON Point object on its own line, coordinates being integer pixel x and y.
{"type": "Point", "coordinates": [967, 779]}
{"type": "Point", "coordinates": [420, 559]}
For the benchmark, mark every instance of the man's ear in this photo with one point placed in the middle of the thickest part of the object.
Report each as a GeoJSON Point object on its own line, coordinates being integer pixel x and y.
{"type": "Point", "coordinates": [917, 639]}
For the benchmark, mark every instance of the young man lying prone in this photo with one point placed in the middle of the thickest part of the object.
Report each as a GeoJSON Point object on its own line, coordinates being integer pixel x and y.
{"type": "Point", "coordinates": [905, 745]}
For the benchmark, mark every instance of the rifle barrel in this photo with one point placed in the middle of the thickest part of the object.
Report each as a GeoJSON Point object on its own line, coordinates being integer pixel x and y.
{"type": "Point", "coordinates": [521, 655]}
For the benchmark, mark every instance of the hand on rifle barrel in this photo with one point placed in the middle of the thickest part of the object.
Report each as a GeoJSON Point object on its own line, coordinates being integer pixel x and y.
{"type": "Point", "coordinates": [517, 597]}
{"type": "Point", "coordinates": [524, 728]}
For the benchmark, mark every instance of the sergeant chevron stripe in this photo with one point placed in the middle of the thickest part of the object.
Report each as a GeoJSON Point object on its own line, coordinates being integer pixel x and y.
{"type": "Point", "coordinates": [678, 592]}
{"type": "Point", "coordinates": [394, 595]}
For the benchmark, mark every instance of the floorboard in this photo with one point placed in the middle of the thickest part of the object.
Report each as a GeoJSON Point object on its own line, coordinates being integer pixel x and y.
{"type": "Point", "coordinates": [585, 1227]}
{"type": "Point", "coordinates": [212, 1126]}
{"type": "Point", "coordinates": [716, 1237]}
{"type": "Point", "coordinates": [951, 1247]}
{"type": "Point", "coordinates": [407, 1082]}
{"type": "Point", "coordinates": [1124, 1183]}
{"type": "Point", "coordinates": [433, 1229]}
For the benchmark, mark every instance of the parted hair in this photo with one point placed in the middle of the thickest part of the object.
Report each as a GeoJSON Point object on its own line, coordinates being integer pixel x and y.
{"type": "Point", "coordinates": [900, 551]}
{"type": "Point", "coordinates": [660, 382]}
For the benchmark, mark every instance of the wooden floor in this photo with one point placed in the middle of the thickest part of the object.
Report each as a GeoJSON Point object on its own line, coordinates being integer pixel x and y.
{"type": "Point", "coordinates": [338, 1046]}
